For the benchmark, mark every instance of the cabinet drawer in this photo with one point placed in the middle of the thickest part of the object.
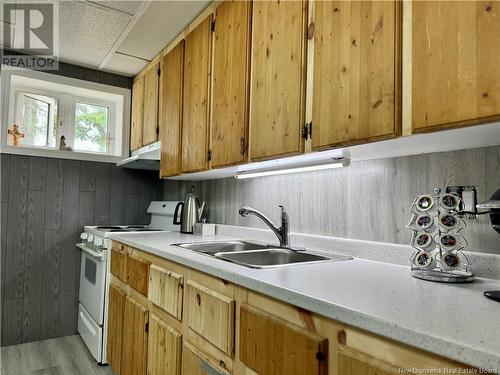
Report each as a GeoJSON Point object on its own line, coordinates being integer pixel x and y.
{"type": "Point", "coordinates": [165, 290]}
{"type": "Point", "coordinates": [270, 345]}
{"type": "Point", "coordinates": [195, 363]}
{"type": "Point", "coordinates": [211, 315]}
{"type": "Point", "coordinates": [138, 274]}
{"type": "Point", "coordinates": [119, 262]}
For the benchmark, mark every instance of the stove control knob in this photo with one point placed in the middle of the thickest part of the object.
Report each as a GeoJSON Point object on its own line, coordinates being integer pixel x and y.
{"type": "Point", "coordinates": [90, 238]}
{"type": "Point", "coordinates": [84, 236]}
{"type": "Point", "coordinates": [98, 241]}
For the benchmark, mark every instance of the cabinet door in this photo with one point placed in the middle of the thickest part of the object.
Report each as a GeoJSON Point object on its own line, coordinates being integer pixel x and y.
{"type": "Point", "coordinates": [455, 63]}
{"type": "Point", "coordinates": [230, 92]}
{"type": "Point", "coordinates": [196, 363]}
{"type": "Point", "coordinates": [135, 338]}
{"type": "Point", "coordinates": [115, 328]}
{"type": "Point", "coordinates": [118, 266]}
{"type": "Point", "coordinates": [165, 290]}
{"type": "Point", "coordinates": [211, 315]}
{"type": "Point", "coordinates": [137, 114]}
{"type": "Point", "coordinates": [170, 111]}
{"type": "Point", "coordinates": [278, 78]}
{"type": "Point", "coordinates": [138, 274]}
{"type": "Point", "coordinates": [195, 119]}
{"type": "Point", "coordinates": [356, 366]}
{"type": "Point", "coordinates": [270, 345]}
{"type": "Point", "coordinates": [355, 82]}
{"type": "Point", "coordinates": [164, 348]}
{"type": "Point", "coordinates": [150, 125]}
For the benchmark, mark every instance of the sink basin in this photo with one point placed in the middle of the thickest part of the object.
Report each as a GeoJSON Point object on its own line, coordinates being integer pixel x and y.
{"type": "Point", "coordinates": [276, 257]}
{"type": "Point", "coordinates": [213, 247]}
{"type": "Point", "coordinates": [257, 255]}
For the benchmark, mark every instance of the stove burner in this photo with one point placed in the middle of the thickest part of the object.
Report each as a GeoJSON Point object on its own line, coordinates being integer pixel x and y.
{"type": "Point", "coordinates": [135, 226]}
{"type": "Point", "coordinates": [144, 230]}
{"type": "Point", "coordinates": [108, 227]}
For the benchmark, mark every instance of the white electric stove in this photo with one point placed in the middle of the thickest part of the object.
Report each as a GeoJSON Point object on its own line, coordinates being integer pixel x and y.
{"type": "Point", "coordinates": [94, 273]}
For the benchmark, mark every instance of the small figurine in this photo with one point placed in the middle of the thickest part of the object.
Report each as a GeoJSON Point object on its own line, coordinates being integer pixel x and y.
{"type": "Point", "coordinates": [16, 134]}
{"type": "Point", "coordinates": [62, 144]}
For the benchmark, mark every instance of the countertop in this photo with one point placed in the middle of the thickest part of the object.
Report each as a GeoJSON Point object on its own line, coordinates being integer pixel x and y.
{"type": "Point", "coordinates": [452, 320]}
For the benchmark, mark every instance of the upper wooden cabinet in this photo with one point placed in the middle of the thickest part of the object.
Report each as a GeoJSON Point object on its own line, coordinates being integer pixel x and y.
{"type": "Point", "coordinates": [195, 114]}
{"type": "Point", "coordinates": [230, 83]}
{"type": "Point", "coordinates": [137, 114]}
{"type": "Point", "coordinates": [170, 110]}
{"type": "Point", "coordinates": [355, 84]}
{"type": "Point", "coordinates": [278, 78]}
{"type": "Point", "coordinates": [150, 124]}
{"type": "Point", "coordinates": [455, 58]}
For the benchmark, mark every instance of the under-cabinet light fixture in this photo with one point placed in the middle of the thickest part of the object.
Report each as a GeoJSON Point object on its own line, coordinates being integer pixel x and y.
{"type": "Point", "coordinates": [330, 164]}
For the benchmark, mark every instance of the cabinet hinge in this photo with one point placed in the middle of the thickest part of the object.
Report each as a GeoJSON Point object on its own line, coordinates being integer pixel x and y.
{"type": "Point", "coordinates": [157, 130]}
{"type": "Point", "coordinates": [212, 26]}
{"type": "Point", "coordinates": [209, 155]}
{"type": "Point", "coordinates": [159, 71]}
{"type": "Point", "coordinates": [307, 130]}
{"type": "Point", "coordinates": [146, 327]}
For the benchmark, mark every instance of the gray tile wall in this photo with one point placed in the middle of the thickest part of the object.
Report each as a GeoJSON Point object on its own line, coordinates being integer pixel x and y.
{"type": "Point", "coordinates": [368, 200]}
{"type": "Point", "coordinates": [45, 203]}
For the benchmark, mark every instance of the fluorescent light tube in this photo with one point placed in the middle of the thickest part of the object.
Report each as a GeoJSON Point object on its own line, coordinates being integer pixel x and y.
{"type": "Point", "coordinates": [342, 162]}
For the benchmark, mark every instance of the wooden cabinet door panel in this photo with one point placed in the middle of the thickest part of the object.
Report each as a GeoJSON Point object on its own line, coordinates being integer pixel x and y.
{"type": "Point", "coordinates": [166, 289]}
{"type": "Point", "coordinates": [278, 78]}
{"type": "Point", "coordinates": [270, 345]}
{"type": "Point", "coordinates": [150, 124]}
{"type": "Point", "coordinates": [164, 348]}
{"type": "Point", "coordinates": [230, 91]}
{"type": "Point", "coordinates": [455, 62]}
{"type": "Point", "coordinates": [118, 266]}
{"type": "Point", "coordinates": [354, 84]}
{"type": "Point", "coordinates": [170, 111]}
{"type": "Point", "coordinates": [135, 338]}
{"type": "Point", "coordinates": [115, 328]}
{"type": "Point", "coordinates": [211, 315]}
{"type": "Point", "coordinates": [196, 363]}
{"type": "Point", "coordinates": [195, 119]}
{"type": "Point", "coordinates": [138, 274]}
{"type": "Point", "coordinates": [137, 114]}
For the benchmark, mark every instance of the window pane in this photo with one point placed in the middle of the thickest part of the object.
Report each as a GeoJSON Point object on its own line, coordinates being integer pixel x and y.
{"type": "Point", "coordinates": [39, 113]}
{"type": "Point", "coordinates": [91, 128]}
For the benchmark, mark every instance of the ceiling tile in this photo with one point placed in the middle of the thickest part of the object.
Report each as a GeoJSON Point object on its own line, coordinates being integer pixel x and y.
{"type": "Point", "coordinates": [86, 32]}
{"type": "Point", "coordinates": [159, 25]}
{"type": "Point", "coordinates": [129, 7]}
{"type": "Point", "coordinates": [124, 64]}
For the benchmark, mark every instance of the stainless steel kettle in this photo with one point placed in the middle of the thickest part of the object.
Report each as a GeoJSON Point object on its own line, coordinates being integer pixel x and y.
{"type": "Point", "coordinates": [191, 212]}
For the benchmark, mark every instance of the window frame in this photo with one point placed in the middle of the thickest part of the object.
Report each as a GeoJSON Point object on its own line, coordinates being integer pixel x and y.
{"type": "Point", "coordinates": [118, 113]}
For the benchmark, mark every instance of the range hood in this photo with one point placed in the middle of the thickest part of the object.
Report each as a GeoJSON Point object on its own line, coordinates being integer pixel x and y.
{"type": "Point", "coordinates": [147, 157]}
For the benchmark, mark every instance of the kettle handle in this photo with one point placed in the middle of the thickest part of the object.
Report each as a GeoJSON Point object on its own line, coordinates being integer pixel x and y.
{"type": "Point", "coordinates": [176, 213]}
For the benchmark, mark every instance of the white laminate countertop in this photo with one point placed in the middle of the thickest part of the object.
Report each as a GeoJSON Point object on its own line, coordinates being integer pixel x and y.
{"type": "Point", "coordinates": [452, 320]}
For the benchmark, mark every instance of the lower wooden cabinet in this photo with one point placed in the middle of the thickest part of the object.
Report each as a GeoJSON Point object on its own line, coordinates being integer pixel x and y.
{"type": "Point", "coordinates": [196, 363]}
{"type": "Point", "coordinates": [227, 329]}
{"type": "Point", "coordinates": [115, 328]}
{"type": "Point", "coordinates": [270, 345]}
{"type": "Point", "coordinates": [164, 348]}
{"type": "Point", "coordinates": [135, 338]}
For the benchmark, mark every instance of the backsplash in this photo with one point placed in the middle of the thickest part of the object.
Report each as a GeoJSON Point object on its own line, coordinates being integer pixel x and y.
{"type": "Point", "coordinates": [369, 200]}
{"type": "Point", "coordinates": [45, 204]}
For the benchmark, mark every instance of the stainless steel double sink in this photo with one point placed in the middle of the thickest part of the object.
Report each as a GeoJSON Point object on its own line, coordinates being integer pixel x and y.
{"type": "Point", "coordinates": [258, 255]}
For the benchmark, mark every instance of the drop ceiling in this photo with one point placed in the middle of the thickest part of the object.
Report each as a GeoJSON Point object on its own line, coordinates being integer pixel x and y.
{"type": "Point", "coordinates": [120, 36]}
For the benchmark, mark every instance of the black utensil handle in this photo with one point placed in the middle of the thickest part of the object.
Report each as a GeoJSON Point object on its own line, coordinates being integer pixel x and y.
{"type": "Point", "coordinates": [176, 213]}
{"type": "Point", "coordinates": [493, 294]}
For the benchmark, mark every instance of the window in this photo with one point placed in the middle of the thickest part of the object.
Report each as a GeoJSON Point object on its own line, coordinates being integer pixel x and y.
{"type": "Point", "coordinates": [91, 128]}
{"type": "Point", "coordinates": [38, 115]}
{"type": "Point", "coordinates": [43, 108]}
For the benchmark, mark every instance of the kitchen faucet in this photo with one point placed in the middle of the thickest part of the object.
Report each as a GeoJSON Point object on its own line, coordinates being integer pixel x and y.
{"type": "Point", "coordinates": [281, 232]}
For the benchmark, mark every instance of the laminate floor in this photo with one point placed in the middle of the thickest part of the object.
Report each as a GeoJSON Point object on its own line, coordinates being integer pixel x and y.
{"type": "Point", "coordinates": [61, 356]}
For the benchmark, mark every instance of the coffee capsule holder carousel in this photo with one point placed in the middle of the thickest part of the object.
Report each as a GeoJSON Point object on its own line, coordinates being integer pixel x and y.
{"type": "Point", "coordinates": [435, 227]}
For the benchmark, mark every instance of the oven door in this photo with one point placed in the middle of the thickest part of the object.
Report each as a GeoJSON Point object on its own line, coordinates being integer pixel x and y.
{"type": "Point", "coordinates": [93, 283]}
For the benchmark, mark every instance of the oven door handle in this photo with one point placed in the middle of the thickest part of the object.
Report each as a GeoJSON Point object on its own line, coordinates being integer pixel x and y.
{"type": "Point", "coordinates": [95, 254]}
